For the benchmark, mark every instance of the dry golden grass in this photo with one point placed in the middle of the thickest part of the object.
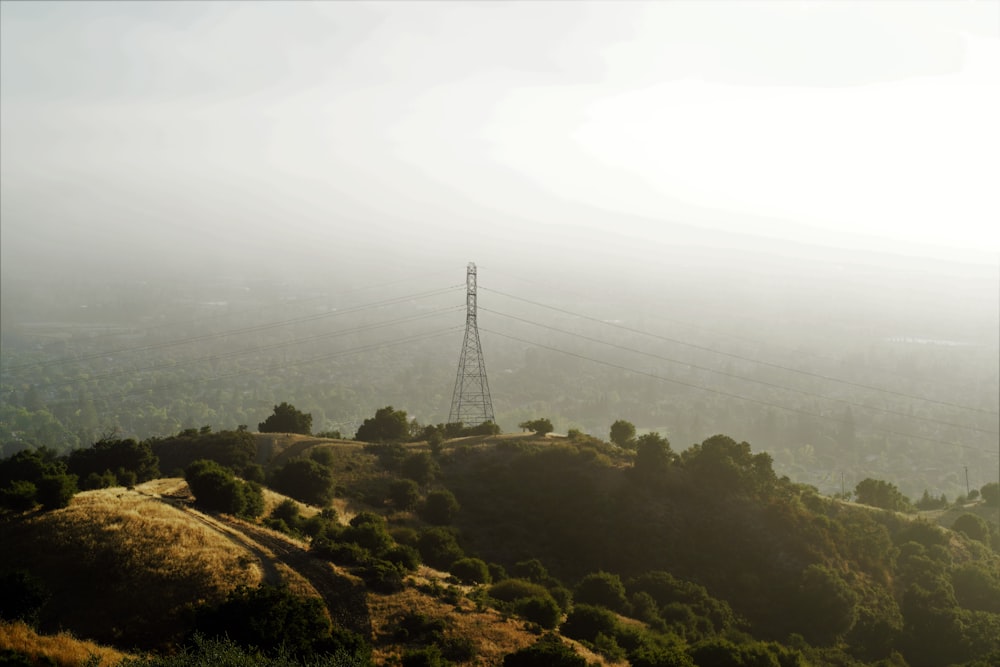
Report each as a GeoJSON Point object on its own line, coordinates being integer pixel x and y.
{"type": "Point", "coordinates": [62, 649]}
{"type": "Point", "coordinates": [494, 635]}
{"type": "Point", "coordinates": [123, 566]}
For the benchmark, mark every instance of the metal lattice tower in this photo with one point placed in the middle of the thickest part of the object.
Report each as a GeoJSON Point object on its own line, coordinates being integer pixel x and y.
{"type": "Point", "coordinates": [471, 403]}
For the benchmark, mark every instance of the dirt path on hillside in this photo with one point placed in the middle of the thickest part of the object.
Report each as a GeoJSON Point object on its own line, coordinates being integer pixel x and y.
{"type": "Point", "coordinates": [345, 598]}
{"type": "Point", "coordinates": [182, 502]}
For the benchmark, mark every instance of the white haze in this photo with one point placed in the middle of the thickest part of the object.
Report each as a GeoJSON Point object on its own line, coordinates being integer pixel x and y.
{"type": "Point", "coordinates": [142, 137]}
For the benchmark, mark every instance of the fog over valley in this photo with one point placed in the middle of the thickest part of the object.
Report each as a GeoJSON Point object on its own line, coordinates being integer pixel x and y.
{"type": "Point", "coordinates": [562, 334]}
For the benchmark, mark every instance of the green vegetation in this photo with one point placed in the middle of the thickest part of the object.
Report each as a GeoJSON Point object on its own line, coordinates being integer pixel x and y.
{"type": "Point", "coordinates": [642, 553]}
{"type": "Point", "coordinates": [216, 488]}
{"type": "Point", "coordinates": [538, 426]}
{"type": "Point", "coordinates": [286, 419]}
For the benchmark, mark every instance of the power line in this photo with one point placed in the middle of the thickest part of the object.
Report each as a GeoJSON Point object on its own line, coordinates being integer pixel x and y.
{"type": "Point", "coordinates": [233, 332]}
{"type": "Point", "coordinates": [732, 395]}
{"type": "Point", "coordinates": [741, 377]}
{"type": "Point", "coordinates": [742, 357]}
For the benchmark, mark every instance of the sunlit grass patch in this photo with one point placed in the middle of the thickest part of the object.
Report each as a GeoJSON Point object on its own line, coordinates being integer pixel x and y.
{"type": "Point", "coordinates": [62, 649]}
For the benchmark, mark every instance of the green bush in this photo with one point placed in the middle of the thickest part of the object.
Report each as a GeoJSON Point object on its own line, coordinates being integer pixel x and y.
{"type": "Point", "coordinates": [305, 480]}
{"type": "Point", "coordinates": [404, 494]}
{"type": "Point", "coordinates": [19, 496]}
{"type": "Point", "coordinates": [382, 576]}
{"type": "Point", "coordinates": [549, 651]}
{"type": "Point", "coordinates": [439, 507]}
{"type": "Point", "coordinates": [216, 489]}
{"type": "Point", "coordinates": [403, 556]}
{"type": "Point", "coordinates": [438, 548]}
{"type": "Point", "coordinates": [539, 609]}
{"type": "Point", "coordinates": [509, 590]}
{"type": "Point", "coordinates": [267, 618]}
{"type": "Point", "coordinates": [470, 571]}
{"type": "Point", "coordinates": [603, 589]}
{"type": "Point", "coordinates": [55, 491]}
{"type": "Point", "coordinates": [586, 621]}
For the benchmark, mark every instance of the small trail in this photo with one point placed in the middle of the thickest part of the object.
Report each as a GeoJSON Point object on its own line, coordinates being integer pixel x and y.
{"type": "Point", "coordinates": [345, 598]}
{"type": "Point", "coordinates": [265, 558]}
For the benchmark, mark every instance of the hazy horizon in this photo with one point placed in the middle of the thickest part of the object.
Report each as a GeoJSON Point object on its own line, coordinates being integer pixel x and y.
{"type": "Point", "coordinates": [201, 135]}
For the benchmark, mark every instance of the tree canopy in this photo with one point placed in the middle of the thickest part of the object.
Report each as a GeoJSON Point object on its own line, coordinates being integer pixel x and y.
{"type": "Point", "coordinates": [539, 426]}
{"type": "Point", "coordinates": [388, 425]}
{"type": "Point", "coordinates": [286, 419]}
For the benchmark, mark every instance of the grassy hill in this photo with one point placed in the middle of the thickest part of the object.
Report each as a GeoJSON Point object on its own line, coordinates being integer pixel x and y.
{"type": "Point", "coordinates": [692, 555]}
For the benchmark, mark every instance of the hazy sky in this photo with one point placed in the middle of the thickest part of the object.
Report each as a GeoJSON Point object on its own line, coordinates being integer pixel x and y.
{"type": "Point", "coordinates": [325, 130]}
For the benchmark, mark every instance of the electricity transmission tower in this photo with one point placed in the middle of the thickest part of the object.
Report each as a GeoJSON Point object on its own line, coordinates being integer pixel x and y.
{"type": "Point", "coordinates": [471, 403]}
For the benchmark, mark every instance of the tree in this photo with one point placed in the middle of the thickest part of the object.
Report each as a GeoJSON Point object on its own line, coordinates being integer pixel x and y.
{"type": "Point", "coordinates": [217, 489]}
{"type": "Point", "coordinates": [471, 571]}
{"type": "Point", "coordinates": [420, 467]}
{"type": "Point", "coordinates": [652, 455]}
{"type": "Point", "coordinates": [388, 425]}
{"type": "Point", "coordinates": [117, 456]}
{"type": "Point", "coordinates": [879, 493]}
{"type": "Point", "coordinates": [440, 507]}
{"type": "Point", "coordinates": [991, 493]}
{"type": "Point", "coordinates": [438, 548]}
{"type": "Point", "coordinates": [973, 527]}
{"type": "Point", "coordinates": [623, 434]}
{"type": "Point", "coordinates": [404, 494]}
{"type": "Point", "coordinates": [539, 426]}
{"type": "Point", "coordinates": [827, 605]}
{"type": "Point", "coordinates": [286, 419]}
{"type": "Point", "coordinates": [305, 480]}
{"type": "Point", "coordinates": [601, 588]}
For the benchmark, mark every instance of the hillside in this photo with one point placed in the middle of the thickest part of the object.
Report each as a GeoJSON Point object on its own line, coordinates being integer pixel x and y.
{"type": "Point", "coordinates": [649, 557]}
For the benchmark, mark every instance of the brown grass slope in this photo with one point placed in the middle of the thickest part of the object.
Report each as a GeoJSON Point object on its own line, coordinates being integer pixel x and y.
{"type": "Point", "coordinates": [124, 567]}
{"type": "Point", "coordinates": [62, 649]}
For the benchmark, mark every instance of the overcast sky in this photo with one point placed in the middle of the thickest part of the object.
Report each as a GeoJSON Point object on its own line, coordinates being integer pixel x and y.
{"type": "Point", "coordinates": [315, 130]}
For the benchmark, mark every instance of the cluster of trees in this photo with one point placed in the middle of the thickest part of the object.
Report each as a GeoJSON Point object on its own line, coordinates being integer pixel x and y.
{"type": "Point", "coordinates": [41, 477]}
{"type": "Point", "coordinates": [637, 529]}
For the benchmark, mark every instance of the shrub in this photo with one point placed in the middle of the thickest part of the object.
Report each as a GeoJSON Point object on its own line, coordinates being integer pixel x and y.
{"type": "Point", "coordinates": [549, 651]}
{"type": "Point", "coordinates": [539, 609]}
{"type": "Point", "coordinates": [372, 537]}
{"type": "Point", "coordinates": [305, 480]}
{"type": "Point", "coordinates": [428, 656]}
{"type": "Point", "coordinates": [470, 571]}
{"type": "Point", "coordinates": [404, 494]}
{"type": "Point", "coordinates": [603, 589]}
{"type": "Point", "coordinates": [991, 493]}
{"type": "Point", "coordinates": [19, 496]}
{"type": "Point", "coordinates": [586, 621]}
{"type": "Point", "coordinates": [268, 617]}
{"type": "Point", "coordinates": [972, 527]}
{"type": "Point", "coordinates": [420, 467]}
{"type": "Point", "coordinates": [509, 590]}
{"type": "Point", "coordinates": [55, 491]}
{"type": "Point", "coordinates": [216, 489]}
{"type": "Point", "coordinates": [382, 576]}
{"type": "Point", "coordinates": [403, 556]}
{"type": "Point", "coordinates": [439, 507]}
{"type": "Point", "coordinates": [438, 548]}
